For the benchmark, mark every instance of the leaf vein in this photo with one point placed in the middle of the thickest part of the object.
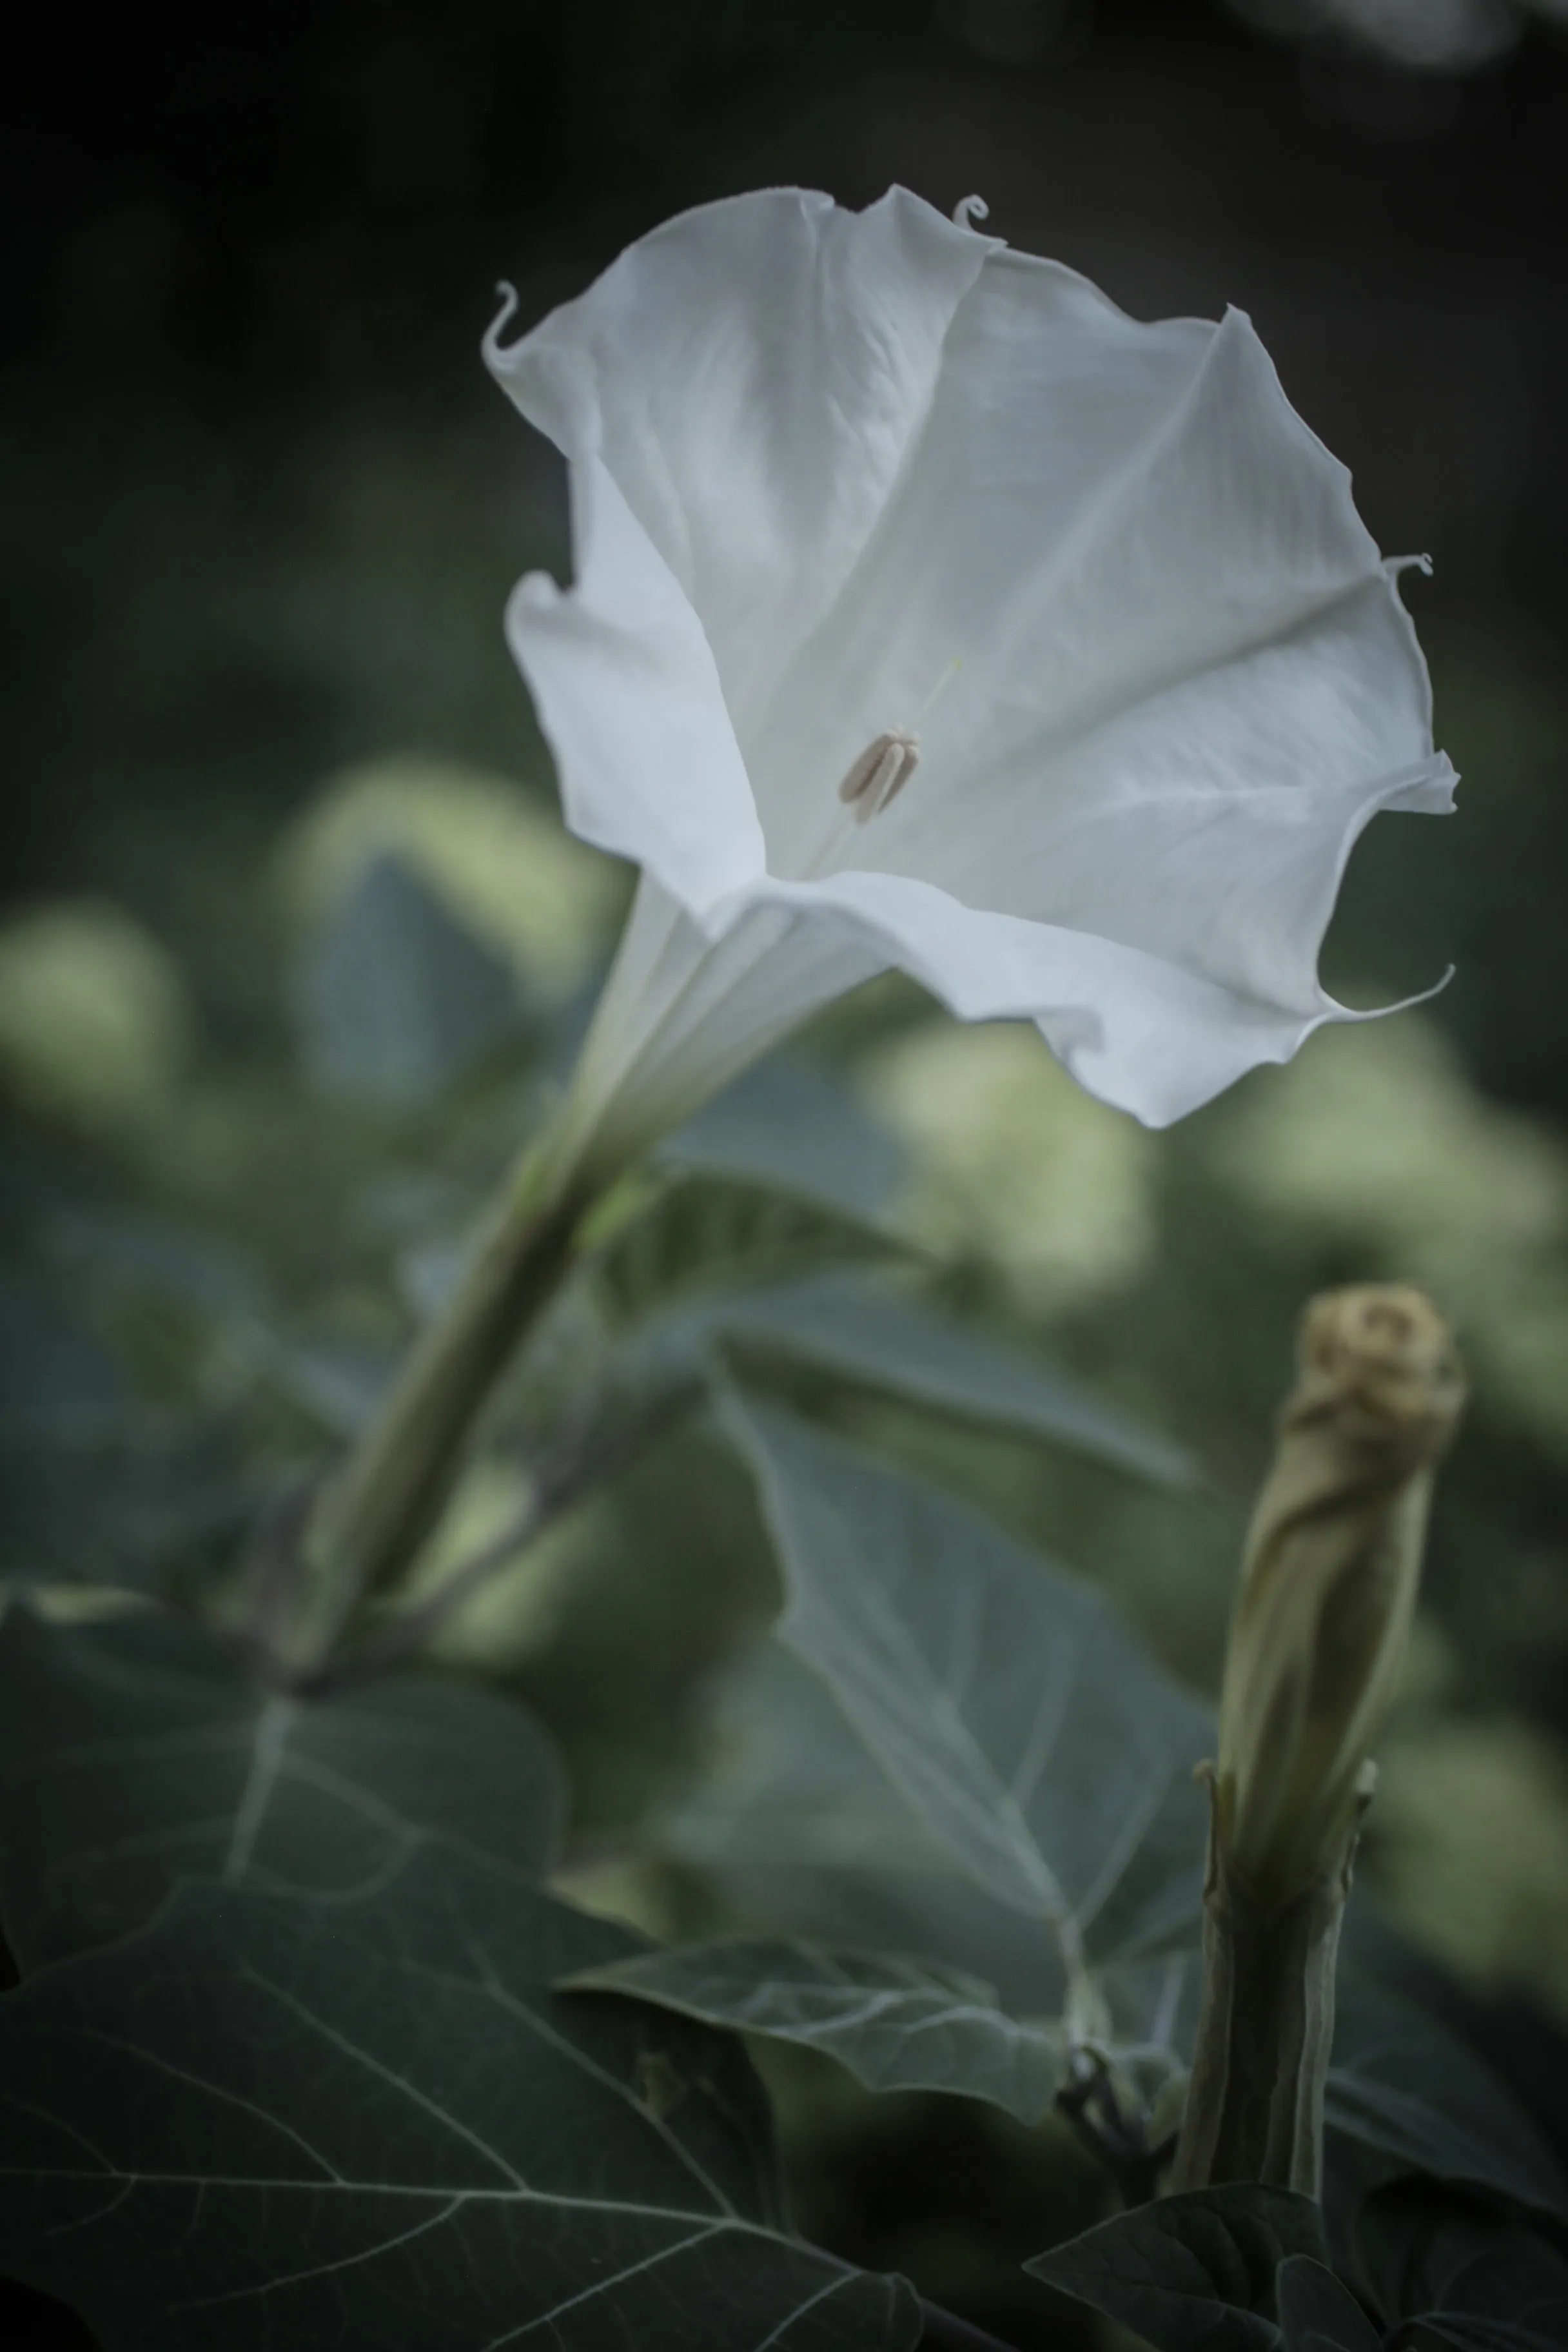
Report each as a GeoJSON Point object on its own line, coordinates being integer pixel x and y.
{"type": "Point", "coordinates": [399, 2083]}
{"type": "Point", "coordinates": [268, 1745]}
{"type": "Point", "coordinates": [214, 2091]}
{"type": "Point", "coordinates": [603, 2286]}
{"type": "Point", "coordinates": [326, 2269]}
{"type": "Point", "coordinates": [547, 2033]}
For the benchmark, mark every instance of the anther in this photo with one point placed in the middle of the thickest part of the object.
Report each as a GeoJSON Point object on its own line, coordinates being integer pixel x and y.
{"type": "Point", "coordinates": [881, 774]}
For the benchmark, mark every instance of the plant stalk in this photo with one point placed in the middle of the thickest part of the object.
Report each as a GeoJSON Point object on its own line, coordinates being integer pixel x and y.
{"type": "Point", "coordinates": [1266, 2024]}
{"type": "Point", "coordinates": [553, 1493]}
{"type": "Point", "coordinates": [379, 1508]}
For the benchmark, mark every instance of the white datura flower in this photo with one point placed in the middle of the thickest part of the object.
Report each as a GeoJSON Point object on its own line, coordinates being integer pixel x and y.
{"type": "Point", "coordinates": [931, 613]}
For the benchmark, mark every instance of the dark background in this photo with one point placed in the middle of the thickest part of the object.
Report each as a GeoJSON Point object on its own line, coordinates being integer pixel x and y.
{"type": "Point", "coordinates": [260, 506]}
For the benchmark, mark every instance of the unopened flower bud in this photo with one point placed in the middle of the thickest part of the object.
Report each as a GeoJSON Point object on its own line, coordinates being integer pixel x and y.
{"type": "Point", "coordinates": [1329, 1582]}
{"type": "Point", "coordinates": [1328, 1590]}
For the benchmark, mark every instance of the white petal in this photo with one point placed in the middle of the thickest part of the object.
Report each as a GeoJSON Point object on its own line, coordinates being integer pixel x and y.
{"type": "Point", "coordinates": [1211, 823]}
{"type": "Point", "coordinates": [752, 374]}
{"type": "Point", "coordinates": [1097, 512]}
{"type": "Point", "coordinates": [682, 1012]}
{"type": "Point", "coordinates": [624, 682]}
{"type": "Point", "coordinates": [1138, 1032]}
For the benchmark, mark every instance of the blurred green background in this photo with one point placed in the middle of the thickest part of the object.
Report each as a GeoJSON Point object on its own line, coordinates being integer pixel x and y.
{"type": "Point", "coordinates": [259, 509]}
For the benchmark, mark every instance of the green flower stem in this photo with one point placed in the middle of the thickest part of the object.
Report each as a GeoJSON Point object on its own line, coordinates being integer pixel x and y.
{"type": "Point", "coordinates": [379, 1508]}
{"type": "Point", "coordinates": [1255, 2105]}
{"type": "Point", "coordinates": [554, 1491]}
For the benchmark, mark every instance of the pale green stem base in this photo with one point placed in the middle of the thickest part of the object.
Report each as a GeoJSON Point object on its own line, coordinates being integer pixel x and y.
{"type": "Point", "coordinates": [380, 1507]}
{"type": "Point", "coordinates": [1255, 2104]}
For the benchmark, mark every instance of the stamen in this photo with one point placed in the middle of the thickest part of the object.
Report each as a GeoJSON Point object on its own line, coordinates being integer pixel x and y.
{"type": "Point", "coordinates": [877, 778]}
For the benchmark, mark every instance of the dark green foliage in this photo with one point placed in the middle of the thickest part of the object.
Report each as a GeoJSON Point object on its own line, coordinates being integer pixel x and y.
{"type": "Point", "coordinates": [1445, 2271]}
{"type": "Point", "coordinates": [898, 2025]}
{"type": "Point", "coordinates": [705, 1233]}
{"type": "Point", "coordinates": [870, 1335]}
{"type": "Point", "coordinates": [368, 2119]}
{"type": "Point", "coordinates": [1316, 2312]}
{"type": "Point", "coordinates": [96, 1487]}
{"type": "Point", "coordinates": [935, 1644]}
{"type": "Point", "coordinates": [796, 1121]}
{"type": "Point", "coordinates": [802, 1827]}
{"type": "Point", "coordinates": [137, 1752]}
{"type": "Point", "coordinates": [1192, 2274]}
{"type": "Point", "coordinates": [303, 2052]}
{"type": "Point", "coordinates": [398, 1000]}
{"type": "Point", "coordinates": [1025, 1729]}
{"type": "Point", "coordinates": [1409, 2091]}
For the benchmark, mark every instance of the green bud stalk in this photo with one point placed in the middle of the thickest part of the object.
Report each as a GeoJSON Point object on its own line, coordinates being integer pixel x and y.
{"type": "Point", "coordinates": [1322, 1618]}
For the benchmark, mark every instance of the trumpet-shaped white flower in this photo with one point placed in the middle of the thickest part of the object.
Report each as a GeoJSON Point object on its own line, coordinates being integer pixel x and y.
{"type": "Point", "coordinates": [930, 613]}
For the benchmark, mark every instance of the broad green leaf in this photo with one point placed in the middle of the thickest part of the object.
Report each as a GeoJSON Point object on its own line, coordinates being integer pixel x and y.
{"type": "Point", "coordinates": [58, 1383]}
{"type": "Point", "coordinates": [128, 1252]}
{"type": "Point", "coordinates": [94, 1489]}
{"type": "Point", "coordinates": [792, 1786]}
{"type": "Point", "coordinates": [1190, 2274]}
{"type": "Point", "coordinates": [131, 1509]}
{"type": "Point", "coordinates": [898, 2025]}
{"type": "Point", "coordinates": [802, 1824]}
{"type": "Point", "coordinates": [703, 1232]}
{"type": "Point", "coordinates": [134, 1752]}
{"type": "Point", "coordinates": [1316, 2314]}
{"type": "Point", "coordinates": [283, 2120]}
{"type": "Point", "coordinates": [803, 1829]}
{"type": "Point", "coordinates": [396, 1000]}
{"type": "Point", "coordinates": [875, 1337]}
{"type": "Point", "coordinates": [1475, 2331]}
{"type": "Point", "coordinates": [185, 1276]}
{"type": "Point", "coordinates": [1445, 2271]}
{"type": "Point", "coordinates": [1023, 1724]}
{"type": "Point", "coordinates": [1409, 2091]}
{"type": "Point", "coordinates": [794, 1120]}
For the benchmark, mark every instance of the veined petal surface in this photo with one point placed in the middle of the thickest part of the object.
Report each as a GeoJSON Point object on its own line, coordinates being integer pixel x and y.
{"type": "Point", "coordinates": [836, 474]}
{"type": "Point", "coordinates": [754, 375]}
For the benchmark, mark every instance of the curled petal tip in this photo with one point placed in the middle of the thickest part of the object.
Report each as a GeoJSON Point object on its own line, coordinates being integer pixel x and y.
{"type": "Point", "coordinates": [508, 296]}
{"type": "Point", "coordinates": [970, 209]}
{"type": "Point", "coordinates": [537, 592]}
{"type": "Point", "coordinates": [1422, 995]}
